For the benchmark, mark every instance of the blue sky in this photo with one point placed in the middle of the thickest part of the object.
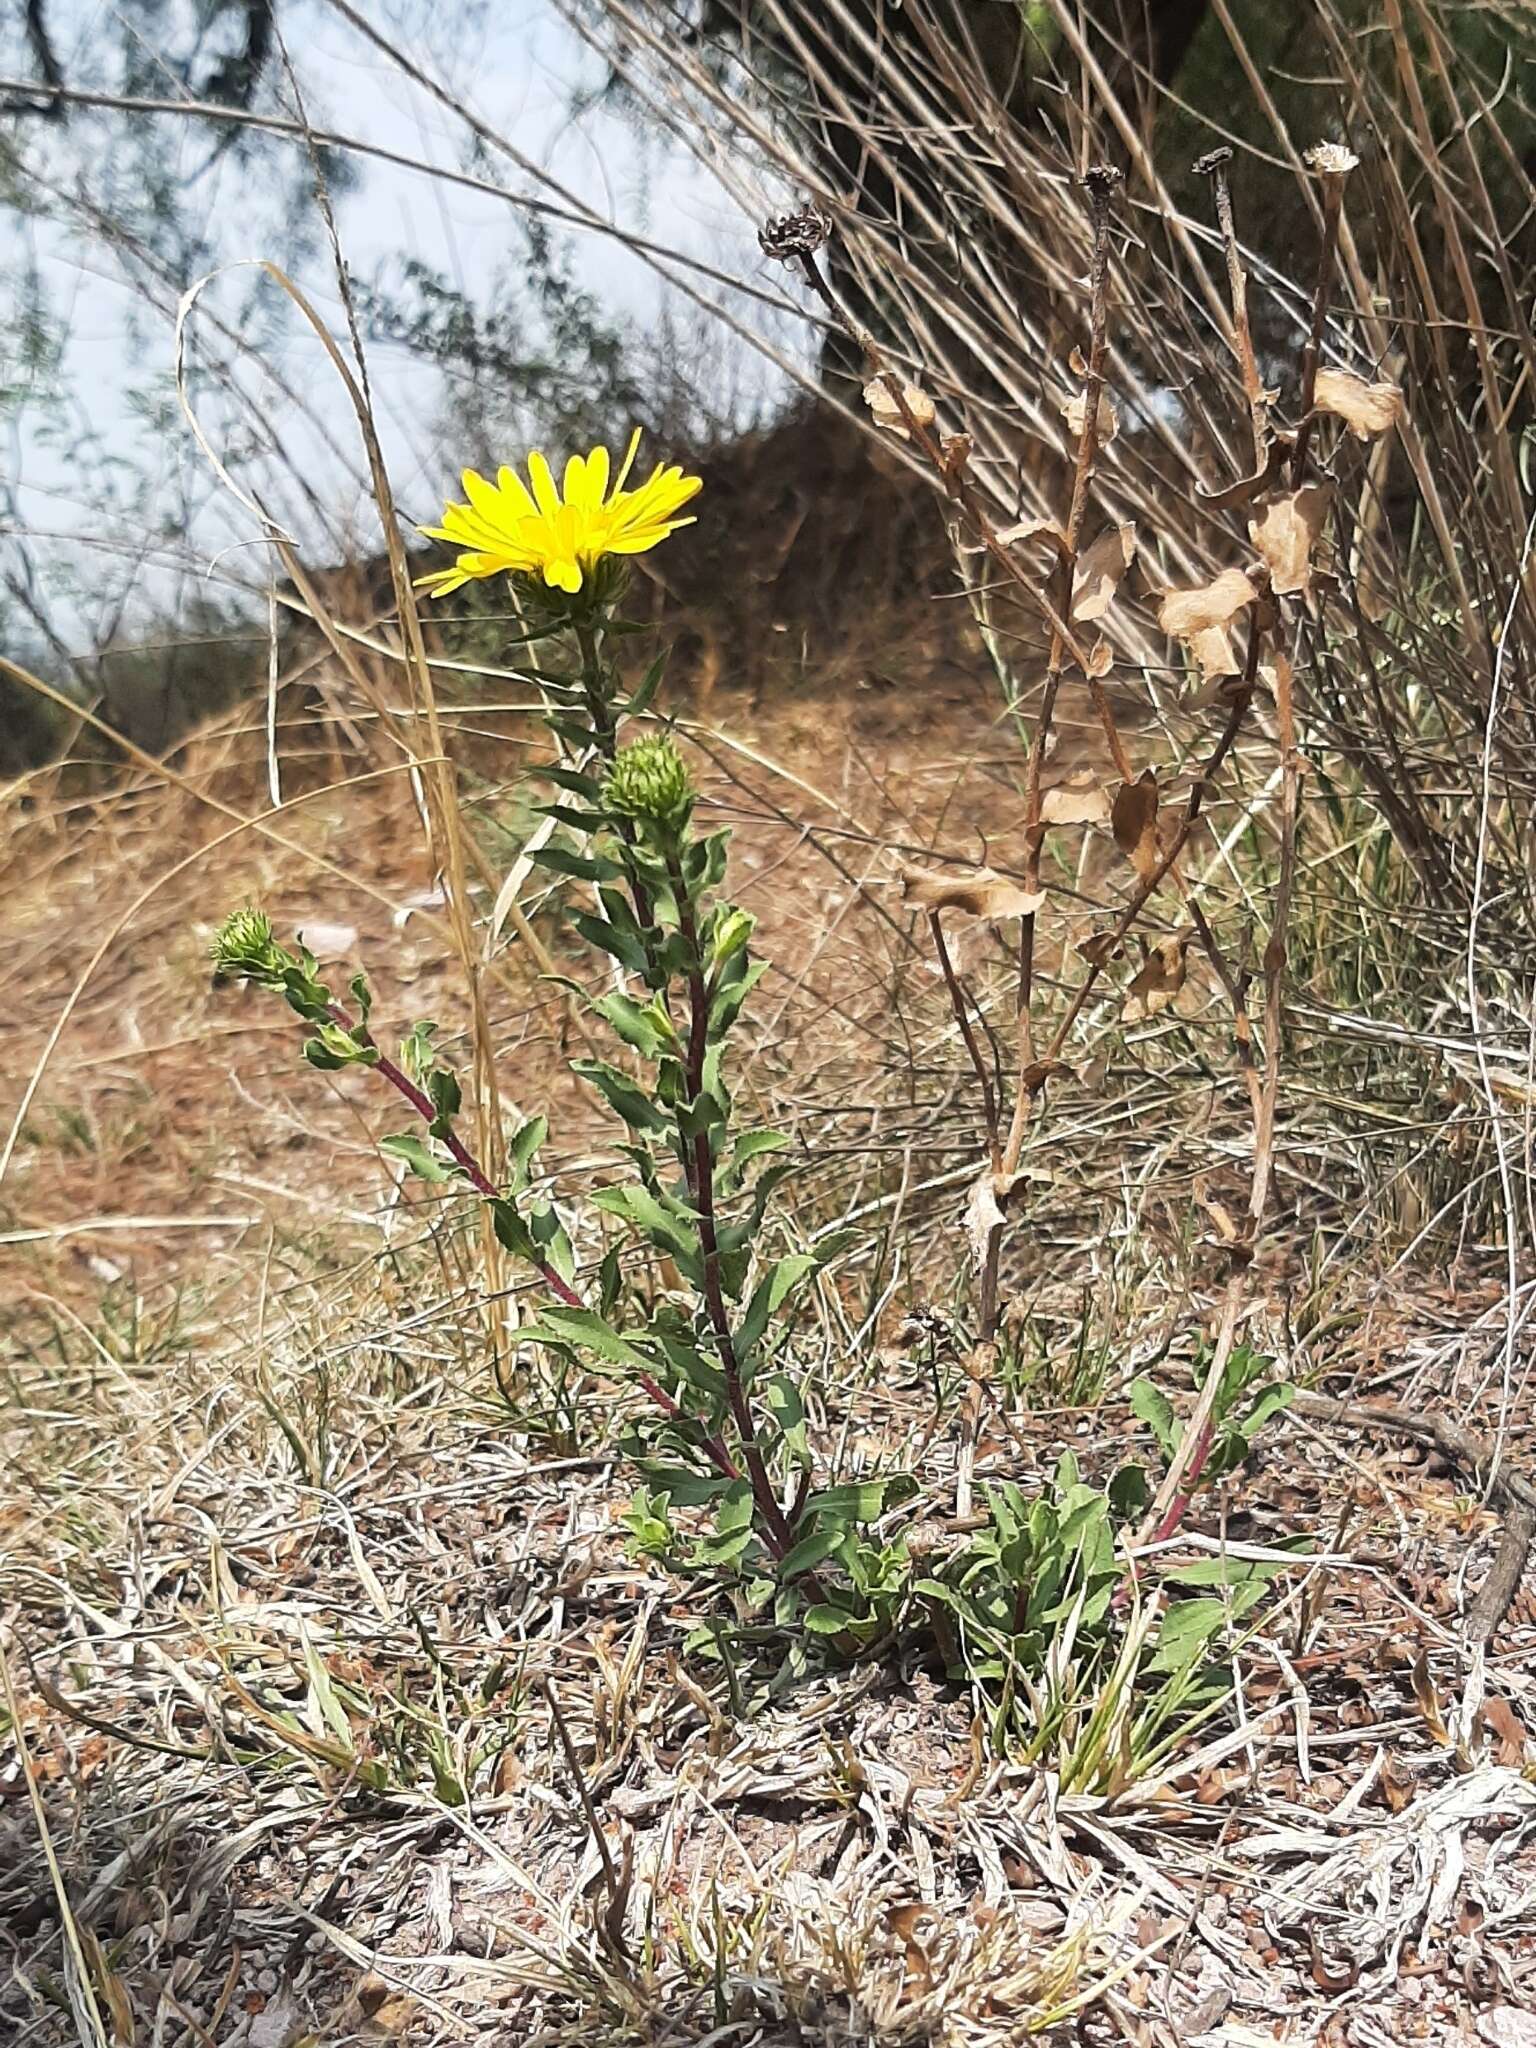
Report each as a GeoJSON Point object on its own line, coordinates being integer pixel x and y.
{"type": "Point", "coordinates": [86, 531]}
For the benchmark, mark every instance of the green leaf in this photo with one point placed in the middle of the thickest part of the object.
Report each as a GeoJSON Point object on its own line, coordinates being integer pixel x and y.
{"type": "Point", "coordinates": [749, 1145]}
{"type": "Point", "coordinates": [1231, 1571]}
{"type": "Point", "coordinates": [727, 1003]}
{"type": "Point", "coordinates": [733, 1532]}
{"type": "Point", "coordinates": [769, 1295]}
{"type": "Point", "coordinates": [621, 1094]}
{"type": "Point", "coordinates": [649, 1522]}
{"type": "Point", "coordinates": [582, 1327]}
{"type": "Point", "coordinates": [417, 1155]}
{"type": "Point", "coordinates": [571, 779]}
{"type": "Point", "coordinates": [625, 946]}
{"type": "Point", "coordinates": [811, 1550]}
{"type": "Point", "coordinates": [609, 1280]}
{"type": "Point", "coordinates": [688, 1361]}
{"type": "Point", "coordinates": [1149, 1404]}
{"type": "Point", "coordinates": [568, 814]}
{"type": "Point", "coordinates": [647, 687]}
{"type": "Point", "coordinates": [781, 1397]}
{"type": "Point", "coordinates": [733, 929]}
{"type": "Point", "coordinates": [1129, 1493]}
{"type": "Point", "coordinates": [523, 1150]}
{"type": "Point", "coordinates": [332, 1048]}
{"type": "Point", "coordinates": [669, 1227]}
{"type": "Point", "coordinates": [548, 1233]}
{"type": "Point", "coordinates": [511, 1231]}
{"type": "Point", "coordinates": [582, 867]}
{"type": "Point", "coordinates": [447, 1099]}
{"type": "Point", "coordinates": [704, 1114]}
{"type": "Point", "coordinates": [1185, 1632]}
{"type": "Point", "coordinates": [686, 1489]}
{"type": "Point", "coordinates": [362, 995]}
{"type": "Point", "coordinates": [827, 1621]}
{"type": "Point", "coordinates": [1269, 1403]}
{"type": "Point", "coordinates": [862, 1500]}
{"type": "Point", "coordinates": [417, 1052]}
{"type": "Point", "coordinates": [645, 1026]}
{"type": "Point", "coordinates": [735, 1510]}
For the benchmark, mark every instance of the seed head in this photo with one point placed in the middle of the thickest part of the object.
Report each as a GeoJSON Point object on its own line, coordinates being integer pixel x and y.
{"type": "Point", "coordinates": [1331, 160]}
{"type": "Point", "coordinates": [791, 235]}
{"type": "Point", "coordinates": [1213, 161]}
{"type": "Point", "coordinates": [650, 781]}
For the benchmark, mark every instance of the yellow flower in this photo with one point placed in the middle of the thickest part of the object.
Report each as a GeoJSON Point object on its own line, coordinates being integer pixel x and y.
{"type": "Point", "coordinates": [562, 534]}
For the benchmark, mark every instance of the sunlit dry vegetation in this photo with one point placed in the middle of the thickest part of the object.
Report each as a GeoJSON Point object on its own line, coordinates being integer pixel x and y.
{"type": "Point", "coordinates": [766, 1203]}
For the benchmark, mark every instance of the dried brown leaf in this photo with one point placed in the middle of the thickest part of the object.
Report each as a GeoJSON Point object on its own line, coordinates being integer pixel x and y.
{"type": "Point", "coordinates": [1133, 819]}
{"type": "Point", "coordinates": [1507, 1730]}
{"type": "Point", "coordinates": [1328, 1975]}
{"type": "Point", "coordinates": [1101, 659]}
{"type": "Point", "coordinates": [887, 413]}
{"type": "Point", "coordinates": [1107, 420]}
{"type": "Point", "coordinates": [1247, 488]}
{"type": "Point", "coordinates": [955, 453]}
{"type": "Point", "coordinates": [1395, 1784]}
{"type": "Point", "coordinates": [913, 1925]}
{"type": "Point", "coordinates": [1158, 982]}
{"type": "Point", "coordinates": [1032, 529]}
{"type": "Point", "coordinates": [1034, 1077]}
{"type": "Point", "coordinates": [1276, 671]}
{"type": "Point", "coordinates": [1219, 1213]}
{"type": "Point", "coordinates": [1215, 652]}
{"type": "Point", "coordinates": [980, 893]}
{"type": "Point", "coordinates": [1205, 606]}
{"type": "Point", "coordinates": [983, 1215]}
{"type": "Point", "coordinates": [1366, 409]}
{"type": "Point", "coordinates": [1080, 801]}
{"type": "Point", "coordinates": [1428, 1699]}
{"type": "Point", "coordinates": [1098, 947]}
{"type": "Point", "coordinates": [1099, 570]}
{"type": "Point", "coordinates": [1285, 530]}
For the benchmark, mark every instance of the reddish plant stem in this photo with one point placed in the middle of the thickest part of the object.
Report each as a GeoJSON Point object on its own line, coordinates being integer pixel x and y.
{"type": "Point", "coordinates": [478, 1179]}
{"type": "Point", "coordinates": [699, 1168]}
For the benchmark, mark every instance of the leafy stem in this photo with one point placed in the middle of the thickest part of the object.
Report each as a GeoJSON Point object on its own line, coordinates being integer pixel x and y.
{"type": "Point", "coordinates": [698, 1155]}
{"type": "Point", "coordinates": [452, 1143]}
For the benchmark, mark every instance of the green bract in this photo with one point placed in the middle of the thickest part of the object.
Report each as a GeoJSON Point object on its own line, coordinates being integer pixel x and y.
{"type": "Point", "coordinates": [650, 781]}
{"type": "Point", "coordinates": [244, 944]}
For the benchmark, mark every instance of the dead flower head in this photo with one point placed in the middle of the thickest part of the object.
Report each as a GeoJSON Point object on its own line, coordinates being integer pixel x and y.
{"type": "Point", "coordinates": [790, 236]}
{"type": "Point", "coordinates": [1331, 160]}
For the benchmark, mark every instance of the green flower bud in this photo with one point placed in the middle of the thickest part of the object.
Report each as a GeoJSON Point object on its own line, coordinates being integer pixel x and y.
{"type": "Point", "coordinates": [650, 781]}
{"type": "Point", "coordinates": [547, 609]}
{"type": "Point", "coordinates": [243, 944]}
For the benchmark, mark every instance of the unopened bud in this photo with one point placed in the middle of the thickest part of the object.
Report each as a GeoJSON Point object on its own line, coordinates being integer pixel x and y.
{"type": "Point", "coordinates": [243, 944]}
{"type": "Point", "coordinates": [650, 780]}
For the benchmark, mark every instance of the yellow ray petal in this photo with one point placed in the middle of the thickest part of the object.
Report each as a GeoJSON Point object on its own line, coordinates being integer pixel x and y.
{"type": "Point", "coordinates": [546, 497]}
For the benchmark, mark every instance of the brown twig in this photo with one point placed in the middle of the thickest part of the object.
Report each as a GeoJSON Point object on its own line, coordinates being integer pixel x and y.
{"type": "Point", "coordinates": [1482, 1463]}
{"type": "Point", "coordinates": [1188, 1462]}
{"type": "Point", "coordinates": [1214, 165]}
{"type": "Point", "coordinates": [616, 1881]}
{"type": "Point", "coordinates": [961, 1009]}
